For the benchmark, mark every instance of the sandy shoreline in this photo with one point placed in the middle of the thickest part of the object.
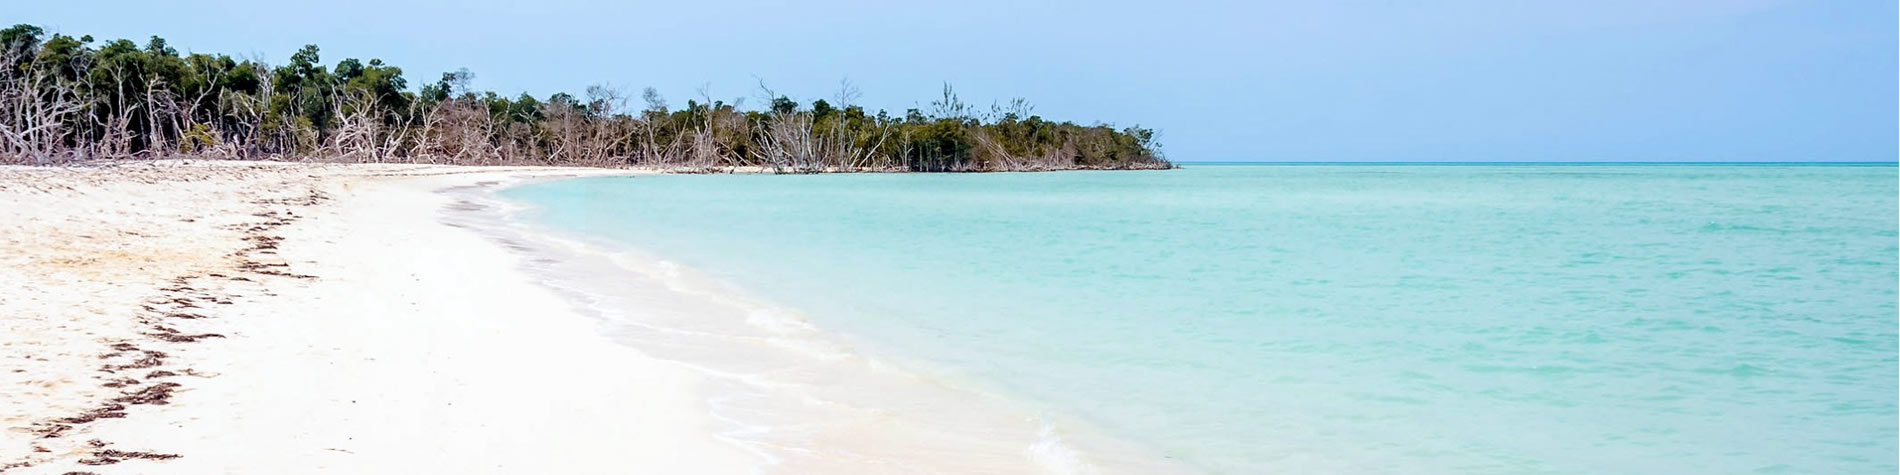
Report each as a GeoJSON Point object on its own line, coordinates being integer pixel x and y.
{"type": "Point", "coordinates": [243, 317]}
{"type": "Point", "coordinates": [270, 318]}
{"type": "Point", "coordinates": [781, 387]}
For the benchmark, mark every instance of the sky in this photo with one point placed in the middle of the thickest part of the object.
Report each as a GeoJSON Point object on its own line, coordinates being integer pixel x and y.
{"type": "Point", "coordinates": [1353, 80]}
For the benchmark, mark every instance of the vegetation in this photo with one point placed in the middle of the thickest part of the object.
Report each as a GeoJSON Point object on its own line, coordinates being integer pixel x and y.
{"type": "Point", "coordinates": [66, 99]}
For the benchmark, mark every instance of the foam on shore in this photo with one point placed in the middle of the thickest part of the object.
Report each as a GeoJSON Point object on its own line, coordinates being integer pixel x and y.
{"type": "Point", "coordinates": [798, 396]}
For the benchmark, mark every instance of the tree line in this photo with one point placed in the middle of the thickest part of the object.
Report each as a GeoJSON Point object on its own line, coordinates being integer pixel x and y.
{"type": "Point", "coordinates": [65, 99]}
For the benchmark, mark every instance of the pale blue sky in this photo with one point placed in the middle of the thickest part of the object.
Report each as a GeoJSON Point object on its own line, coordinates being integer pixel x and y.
{"type": "Point", "coordinates": [1305, 81]}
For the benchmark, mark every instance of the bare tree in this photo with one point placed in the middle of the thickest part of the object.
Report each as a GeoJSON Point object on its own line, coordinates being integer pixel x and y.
{"type": "Point", "coordinates": [34, 109]}
{"type": "Point", "coordinates": [842, 145]}
{"type": "Point", "coordinates": [707, 150]}
{"type": "Point", "coordinates": [660, 144]}
{"type": "Point", "coordinates": [950, 106]}
{"type": "Point", "coordinates": [359, 134]}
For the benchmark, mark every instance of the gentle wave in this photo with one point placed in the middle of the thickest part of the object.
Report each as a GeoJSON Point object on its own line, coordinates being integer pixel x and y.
{"type": "Point", "coordinates": [1409, 319]}
{"type": "Point", "coordinates": [797, 397]}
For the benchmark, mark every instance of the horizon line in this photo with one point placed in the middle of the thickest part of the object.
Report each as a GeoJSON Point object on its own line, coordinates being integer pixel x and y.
{"type": "Point", "coordinates": [1553, 162]}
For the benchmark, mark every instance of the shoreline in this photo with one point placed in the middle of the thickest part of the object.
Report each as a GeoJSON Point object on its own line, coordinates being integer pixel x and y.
{"type": "Point", "coordinates": [794, 392]}
{"type": "Point", "coordinates": [244, 330]}
{"type": "Point", "coordinates": [369, 318]}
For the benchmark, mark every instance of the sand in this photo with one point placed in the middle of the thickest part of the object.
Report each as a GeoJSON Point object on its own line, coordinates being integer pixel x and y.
{"type": "Point", "coordinates": [223, 317]}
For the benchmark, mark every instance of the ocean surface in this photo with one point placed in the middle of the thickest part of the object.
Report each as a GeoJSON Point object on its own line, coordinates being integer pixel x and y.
{"type": "Point", "coordinates": [1340, 318]}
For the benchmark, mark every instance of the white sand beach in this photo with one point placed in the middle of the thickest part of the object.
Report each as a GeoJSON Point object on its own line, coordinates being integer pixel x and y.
{"type": "Point", "coordinates": [213, 317]}
{"type": "Point", "coordinates": [255, 317]}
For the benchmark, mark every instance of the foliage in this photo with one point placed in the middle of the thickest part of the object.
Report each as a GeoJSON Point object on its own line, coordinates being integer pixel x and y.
{"type": "Point", "coordinates": [66, 99]}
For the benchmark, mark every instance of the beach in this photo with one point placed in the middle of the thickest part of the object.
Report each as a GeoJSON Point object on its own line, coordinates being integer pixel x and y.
{"type": "Point", "coordinates": [228, 317]}
{"type": "Point", "coordinates": [264, 317]}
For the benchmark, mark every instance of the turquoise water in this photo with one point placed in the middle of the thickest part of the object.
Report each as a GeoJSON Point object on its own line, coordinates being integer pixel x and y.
{"type": "Point", "coordinates": [1393, 319]}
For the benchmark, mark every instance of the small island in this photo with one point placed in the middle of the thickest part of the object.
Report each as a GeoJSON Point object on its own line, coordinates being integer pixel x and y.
{"type": "Point", "coordinates": [70, 99]}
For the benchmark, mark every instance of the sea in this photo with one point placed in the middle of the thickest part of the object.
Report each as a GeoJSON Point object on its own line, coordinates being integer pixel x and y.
{"type": "Point", "coordinates": [1283, 318]}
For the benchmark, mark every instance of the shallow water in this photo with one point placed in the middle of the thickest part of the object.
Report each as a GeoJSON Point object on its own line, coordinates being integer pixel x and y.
{"type": "Point", "coordinates": [1489, 319]}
